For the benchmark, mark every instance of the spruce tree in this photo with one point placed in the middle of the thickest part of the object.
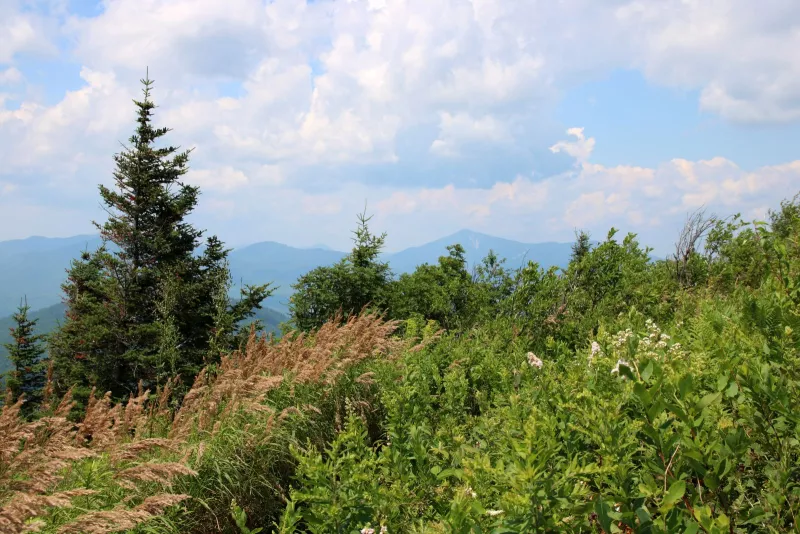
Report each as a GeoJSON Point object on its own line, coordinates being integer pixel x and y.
{"type": "Point", "coordinates": [357, 280]}
{"type": "Point", "coordinates": [581, 247]}
{"type": "Point", "coordinates": [142, 307]}
{"type": "Point", "coordinates": [25, 352]}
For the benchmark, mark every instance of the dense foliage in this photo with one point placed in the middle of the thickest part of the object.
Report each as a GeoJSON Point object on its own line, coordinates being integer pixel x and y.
{"type": "Point", "coordinates": [619, 394]}
{"type": "Point", "coordinates": [613, 397]}
{"type": "Point", "coordinates": [360, 279]}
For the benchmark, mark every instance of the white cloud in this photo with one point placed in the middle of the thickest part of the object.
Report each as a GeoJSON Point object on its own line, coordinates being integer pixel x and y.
{"type": "Point", "coordinates": [223, 179]}
{"type": "Point", "coordinates": [651, 201]}
{"type": "Point", "coordinates": [383, 69]}
{"type": "Point", "coordinates": [398, 202]}
{"type": "Point", "coordinates": [321, 204]}
{"type": "Point", "coordinates": [185, 38]}
{"type": "Point", "coordinates": [479, 68]}
{"type": "Point", "coordinates": [745, 61]}
{"type": "Point", "coordinates": [774, 104]}
{"type": "Point", "coordinates": [459, 129]}
{"type": "Point", "coordinates": [22, 31]}
{"type": "Point", "coordinates": [268, 92]}
{"type": "Point", "coordinates": [10, 76]}
{"type": "Point", "coordinates": [589, 208]}
{"type": "Point", "coordinates": [269, 175]}
{"type": "Point", "coordinates": [580, 149]}
{"type": "Point", "coordinates": [38, 138]}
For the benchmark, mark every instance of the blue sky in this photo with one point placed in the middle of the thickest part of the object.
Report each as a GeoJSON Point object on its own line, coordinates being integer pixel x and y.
{"type": "Point", "coordinates": [645, 124]}
{"type": "Point", "coordinates": [515, 118]}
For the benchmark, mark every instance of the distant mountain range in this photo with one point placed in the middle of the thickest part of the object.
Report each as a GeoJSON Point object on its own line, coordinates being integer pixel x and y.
{"type": "Point", "coordinates": [282, 264]}
{"type": "Point", "coordinates": [36, 267]}
{"type": "Point", "coordinates": [477, 246]}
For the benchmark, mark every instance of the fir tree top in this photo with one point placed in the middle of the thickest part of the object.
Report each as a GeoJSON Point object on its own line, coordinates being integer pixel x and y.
{"type": "Point", "coordinates": [146, 213]}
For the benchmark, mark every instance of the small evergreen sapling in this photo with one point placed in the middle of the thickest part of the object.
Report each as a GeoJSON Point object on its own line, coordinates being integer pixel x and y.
{"type": "Point", "coordinates": [25, 352]}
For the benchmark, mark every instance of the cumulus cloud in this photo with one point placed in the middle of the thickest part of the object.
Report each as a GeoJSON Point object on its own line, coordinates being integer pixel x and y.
{"type": "Point", "coordinates": [224, 179]}
{"type": "Point", "coordinates": [461, 129]}
{"type": "Point", "coordinates": [580, 149]}
{"type": "Point", "coordinates": [745, 62]}
{"type": "Point", "coordinates": [269, 93]}
{"type": "Point", "coordinates": [651, 201]}
{"type": "Point", "coordinates": [333, 83]}
{"type": "Point", "coordinates": [23, 30]}
{"type": "Point", "coordinates": [55, 139]}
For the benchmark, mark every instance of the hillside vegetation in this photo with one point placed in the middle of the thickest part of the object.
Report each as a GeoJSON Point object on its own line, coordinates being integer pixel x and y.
{"type": "Point", "coordinates": [620, 394]}
{"type": "Point", "coordinates": [49, 318]}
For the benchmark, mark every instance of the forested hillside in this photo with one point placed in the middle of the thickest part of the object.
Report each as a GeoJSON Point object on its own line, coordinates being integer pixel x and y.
{"type": "Point", "coordinates": [620, 393]}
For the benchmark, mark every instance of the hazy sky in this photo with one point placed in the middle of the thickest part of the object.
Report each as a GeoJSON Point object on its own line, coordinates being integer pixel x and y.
{"type": "Point", "coordinates": [524, 119]}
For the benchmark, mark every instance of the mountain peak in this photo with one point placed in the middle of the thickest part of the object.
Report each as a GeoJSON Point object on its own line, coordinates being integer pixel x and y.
{"type": "Point", "coordinates": [470, 238]}
{"type": "Point", "coordinates": [320, 246]}
{"type": "Point", "coordinates": [469, 232]}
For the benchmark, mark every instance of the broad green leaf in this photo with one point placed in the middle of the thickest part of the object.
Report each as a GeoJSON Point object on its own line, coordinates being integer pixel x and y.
{"type": "Point", "coordinates": [647, 371]}
{"type": "Point", "coordinates": [722, 381]}
{"type": "Point", "coordinates": [685, 386]}
{"type": "Point", "coordinates": [644, 515]}
{"type": "Point", "coordinates": [641, 391]}
{"type": "Point", "coordinates": [625, 371]}
{"type": "Point", "coordinates": [674, 494]}
{"type": "Point", "coordinates": [458, 473]}
{"type": "Point", "coordinates": [602, 508]}
{"type": "Point", "coordinates": [655, 409]}
{"type": "Point", "coordinates": [705, 401]}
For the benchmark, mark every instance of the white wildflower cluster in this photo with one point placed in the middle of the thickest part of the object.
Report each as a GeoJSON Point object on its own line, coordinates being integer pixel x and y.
{"type": "Point", "coordinates": [469, 492]}
{"type": "Point", "coordinates": [654, 344]}
{"type": "Point", "coordinates": [367, 530]}
{"type": "Point", "coordinates": [493, 513]}
{"type": "Point", "coordinates": [654, 341]}
{"type": "Point", "coordinates": [621, 338]}
{"type": "Point", "coordinates": [596, 351]}
{"type": "Point", "coordinates": [534, 360]}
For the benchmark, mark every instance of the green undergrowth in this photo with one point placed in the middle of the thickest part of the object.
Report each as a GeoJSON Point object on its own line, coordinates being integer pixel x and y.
{"type": "Point", "coordinates": [621, 395]}
{"type": "Point", "coordinates": [690, 426]}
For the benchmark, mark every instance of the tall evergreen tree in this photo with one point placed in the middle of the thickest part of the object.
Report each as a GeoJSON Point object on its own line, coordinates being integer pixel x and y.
{"type": "Point", "coordinates": [25, 352]}
{"type": "Point", "coordinates": [145, 310]}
